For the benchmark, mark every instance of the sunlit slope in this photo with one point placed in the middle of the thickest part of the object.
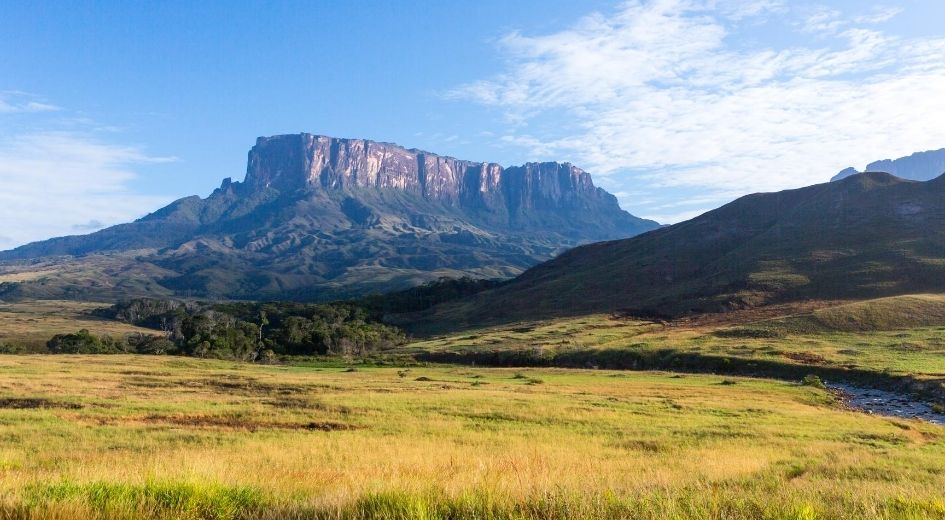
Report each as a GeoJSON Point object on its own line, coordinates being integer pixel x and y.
{"type": "Point", "coordinates": [892, 313]}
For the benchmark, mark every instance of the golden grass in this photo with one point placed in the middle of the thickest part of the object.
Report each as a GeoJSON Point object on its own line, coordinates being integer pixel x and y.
{"type": "Point", "coordinates": [134, 436]}
{"type": "Point", "coordinates": [893, 313]}
{"type": "Point", "coordinates": [32, 323]}
{"type": "Point", "coordinates": [23, 276]}
{"type": "Point", "coordinates": [903, 337]}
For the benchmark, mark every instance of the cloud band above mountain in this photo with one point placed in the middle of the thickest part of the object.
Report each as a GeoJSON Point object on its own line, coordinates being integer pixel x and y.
{"type": "Point", "coordinates": [667, 94]}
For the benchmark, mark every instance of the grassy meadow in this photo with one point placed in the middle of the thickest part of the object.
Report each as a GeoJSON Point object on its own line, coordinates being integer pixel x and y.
{"type": "Point", "coordinates": [901, 336]}
{"type": "Point", "coordinates": [396, 436]}
{"type": "Point", "coordinates": [150, 436]}
{"type": "Point", "coordinates": [28, 325]}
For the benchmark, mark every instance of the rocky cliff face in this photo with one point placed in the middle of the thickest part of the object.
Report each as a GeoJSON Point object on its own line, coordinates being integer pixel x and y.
{"type": "Point", "coordinates": [319, 217]}
{"type": "Point", "coordinates": [293, 162]}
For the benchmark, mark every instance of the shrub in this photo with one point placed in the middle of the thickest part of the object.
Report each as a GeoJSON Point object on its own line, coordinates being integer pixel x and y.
{"type": "Point", "coordinates": [267, 356]}
{"type": "Point", "coordinates": [938, 408]}
{"type": "Point", "coordinates": [84, 342]}
{"type": "Point", "coordinates": [6, 348]}
{"type": "Point", "coordinates": [151, 344]}
{"type": "Point", "coordinates": [814, 381]}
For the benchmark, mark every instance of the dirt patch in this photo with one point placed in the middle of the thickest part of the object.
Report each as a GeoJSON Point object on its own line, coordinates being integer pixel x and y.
{"type": "Point", "coordinates": [295, 403]}
{"type": "Point", "coordinates": [144, 373]}
{"type": "Point", "coordinates": [231, 385]}
{"type": "Point", "coordinates": [809, 358]}
{"type": "Point", "coordinates": [151, 382]}
{"type": "Point", "coordinates": [27, 403]}
{"type": "Point", "coordinates": [245, 386]}
{"type": "Point", "coordinates": [328, 426]}
{"type": "Point", "coordinates": [241, 423]}
{"type": "Point", "coordinates": [908, 347]}
{"type": "Point", "coordinates": [641, 445]}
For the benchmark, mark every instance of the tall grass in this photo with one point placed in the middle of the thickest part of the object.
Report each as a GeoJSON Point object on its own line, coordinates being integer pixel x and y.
{"type": "Point", "coordinates": [180, 500]}
{"type": "Point", "coordinates": [193, 502]}
{"type": "Point", "coordinates": [152, 437]}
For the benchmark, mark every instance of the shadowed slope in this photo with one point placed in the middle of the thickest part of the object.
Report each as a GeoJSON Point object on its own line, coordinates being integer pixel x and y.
{"type": "Point", "coordinates": [870, 235]}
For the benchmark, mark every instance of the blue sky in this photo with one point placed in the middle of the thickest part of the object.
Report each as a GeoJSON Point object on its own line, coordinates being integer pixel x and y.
{"type": "Point", "coordinates": [110, 109]}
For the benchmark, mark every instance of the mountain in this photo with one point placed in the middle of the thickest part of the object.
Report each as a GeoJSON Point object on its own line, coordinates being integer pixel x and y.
{"type": "Point", "coordinates": [865, 236]}
{"type": "Point", "coordinates": [920, 166]}
{"type": "Point", "coordinates": [318, 217]}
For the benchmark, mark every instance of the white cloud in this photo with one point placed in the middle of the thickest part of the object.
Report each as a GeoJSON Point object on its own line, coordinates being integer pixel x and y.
{"type": "Point", "coordinates": [58, 183]}
{"type": "Point", "coordinates": [664, 92]}
{"type": "Point", "coordinates": [879, 14]}
{"type": "Point", "coordinates": [27, 107]}
{"type": "Point", "coordinates": [15, 102]}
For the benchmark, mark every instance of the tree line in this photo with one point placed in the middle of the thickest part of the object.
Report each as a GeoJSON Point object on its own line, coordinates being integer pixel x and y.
{"type": "Point", "coordinates": [257, 331]}
{"type": "Point", "coordinates": [243, 331]}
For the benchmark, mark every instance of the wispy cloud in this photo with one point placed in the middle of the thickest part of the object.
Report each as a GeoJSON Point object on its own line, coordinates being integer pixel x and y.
{"type": "Point", "coordinates": [15, 102]}
{"type": "Point", "coordinates": [57, 183]}
{"type": "Point", "coordinates": [665, 93]}
{"type": "Point", "coordinates": [879, 14]}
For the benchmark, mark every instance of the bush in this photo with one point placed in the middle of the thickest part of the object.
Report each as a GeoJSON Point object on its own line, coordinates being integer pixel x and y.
{"type": "Point", "coordinates": [267, 356]}
{"type": "Point", "coordinates": [6, 348]}
{"type": "Point", "coordinates": [84, 342]}
{"type": "Point", "coordinates": [151, 344]}
{"type": "Point", "coordinates": [814, 381]}
{"type": "Point", "coordinates": [938, 408]}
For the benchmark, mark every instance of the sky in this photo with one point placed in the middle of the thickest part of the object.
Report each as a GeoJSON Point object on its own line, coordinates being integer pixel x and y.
{"type": "Point", "coordinates": [109, 110]}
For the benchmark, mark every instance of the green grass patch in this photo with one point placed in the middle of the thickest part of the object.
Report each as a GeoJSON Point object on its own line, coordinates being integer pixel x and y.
{"type": "Point", "coordinates": [151, 500]}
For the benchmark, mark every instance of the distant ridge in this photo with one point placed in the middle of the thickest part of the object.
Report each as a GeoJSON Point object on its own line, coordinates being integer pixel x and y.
{"type": "Point", "coordinates": [920, 166]}
{"type": "Point", "coordinates": [869, 235]}
{"type": "Point", "coordinates": [319, 217]}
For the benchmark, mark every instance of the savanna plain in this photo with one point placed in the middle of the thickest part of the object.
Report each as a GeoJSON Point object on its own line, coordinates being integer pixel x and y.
{"type": "Point", "coordinates": [400, 435]}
